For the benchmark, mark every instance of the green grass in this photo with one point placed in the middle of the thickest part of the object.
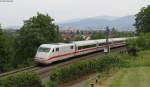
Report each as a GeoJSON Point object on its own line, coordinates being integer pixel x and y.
{"type": "Point", "coordinates": [143, 59]}
{"type": "Point", "coordinates": [131, 77]}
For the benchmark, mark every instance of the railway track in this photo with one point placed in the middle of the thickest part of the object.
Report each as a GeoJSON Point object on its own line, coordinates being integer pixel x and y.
{"type": "Point", "coordinates": [43, 71]}
{"type": "Point", "coordinates": [31, 68]}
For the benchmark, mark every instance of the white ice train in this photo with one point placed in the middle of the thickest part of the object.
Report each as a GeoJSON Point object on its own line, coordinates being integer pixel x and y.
{"type": "Point", "coordinates": [48, 53]}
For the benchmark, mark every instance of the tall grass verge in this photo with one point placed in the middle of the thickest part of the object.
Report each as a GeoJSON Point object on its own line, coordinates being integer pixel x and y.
{"type": "Point", "coordinates": [76, 70]}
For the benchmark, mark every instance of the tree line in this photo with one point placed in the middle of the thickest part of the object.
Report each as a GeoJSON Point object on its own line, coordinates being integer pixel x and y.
{"type": "Point", "coordinates": [19, 49]}
{"type": "Point", "coordinates": [142, 24]}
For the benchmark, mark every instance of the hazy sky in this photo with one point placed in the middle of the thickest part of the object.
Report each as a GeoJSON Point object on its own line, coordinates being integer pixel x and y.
{"type": "Point", "coordinates": [13, 13]}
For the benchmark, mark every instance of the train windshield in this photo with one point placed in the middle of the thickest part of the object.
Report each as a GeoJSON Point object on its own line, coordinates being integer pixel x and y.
{"type": "Point", "coordinates": [42, 49]}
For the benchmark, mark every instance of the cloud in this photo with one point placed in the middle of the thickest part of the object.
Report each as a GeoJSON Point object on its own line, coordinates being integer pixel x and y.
{"type": "Point", "coordinates": [13, 14]}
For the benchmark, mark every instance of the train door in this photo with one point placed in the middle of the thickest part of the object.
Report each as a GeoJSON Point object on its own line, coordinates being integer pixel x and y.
{"type": "Point", "coordinates": [76, 50]}
{"type": "Point", "coordinates": [63, 51]}
{"type": "Point", "coordinates": [72, 49]}
{"type": "Point", "coordinates": [56, 53]}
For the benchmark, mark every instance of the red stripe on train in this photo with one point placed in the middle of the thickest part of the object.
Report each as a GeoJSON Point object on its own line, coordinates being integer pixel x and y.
{"type": "Point", "coordinates": [72, 53]}
{"type": "Point", "coordinates": [61, 55]}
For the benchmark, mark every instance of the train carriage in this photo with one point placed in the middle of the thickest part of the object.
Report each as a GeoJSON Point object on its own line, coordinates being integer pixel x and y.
{"type": "Point", "coordinates": [48, 53]}
{"type": "Point", "coordinates": [118, 42]}
{"type": "Point", "coordinates": [84, 47]}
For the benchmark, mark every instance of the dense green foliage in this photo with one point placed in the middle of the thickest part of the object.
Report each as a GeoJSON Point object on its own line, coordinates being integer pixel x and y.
{"type": "Point", "coordinates": [143, 20]}
{"type": "Point", "coordinates": [140, 43]}
{"type": "Point", "coordinates": [123, 34]}
{"type": "Point", "coordinates": [143, 28]}
{"type": "Point", "coordinates": [21, 80]}
{"type": "Point", "coordinates": [37, 30]}
{"type": "Point", "coordinates": [18, 48]}
{"type": "Point", "coordinates": [4, 52]}
{"type": "Point", "coordinates": [78, 38]}
{"type": "Point", "coordinates": [98, 35]}
{"type": "Point", "coordinates": [78, 69]}
{"type": "Point", "coordinates": [113, 34]}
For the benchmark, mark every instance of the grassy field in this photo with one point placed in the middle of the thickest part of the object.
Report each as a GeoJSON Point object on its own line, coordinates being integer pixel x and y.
{"type": "Point", "coordinates": [136, 75]}
{"type": "Point", "coordinates": [143, 59]}
{"type": "Point", "coordinates": [130, 77]}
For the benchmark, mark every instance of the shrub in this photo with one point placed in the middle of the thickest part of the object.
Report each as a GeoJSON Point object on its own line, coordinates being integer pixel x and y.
{"type": "Point", "coordinates": [132, 47]}
{"type": "Point", "coordinates": [75, 70]}
{"type": "Point", "coordinates": [140, 43]}
{"type": "Point", "coordinates": [21, 80]}
{"type": "Point", "coordinates": [110, 62]}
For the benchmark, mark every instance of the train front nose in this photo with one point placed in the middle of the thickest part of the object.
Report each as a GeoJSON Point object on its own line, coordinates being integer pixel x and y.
{"type": "Point", "coordinates": [42, 54]}
{"type": "Point", "coordinates": [41, 57]}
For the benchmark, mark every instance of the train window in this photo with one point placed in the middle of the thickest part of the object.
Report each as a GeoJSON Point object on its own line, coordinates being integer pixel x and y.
{"type": "Point", "coordinates": [71, 47]}
{"type": "Point", "coordinates": [53, 50]}
{"type": "Point", "coordinates": [86, 46]}
{"type": "Point", "coordinates": [101, 44]}
{"type": "Point", "coordinates": [119, 41]}
{"type": "Point", "coordinates": [109, 42]}
{"type": "Point", "coordinates": [57, 49]}
{"type": "Point", "coordinates": [43, 49]}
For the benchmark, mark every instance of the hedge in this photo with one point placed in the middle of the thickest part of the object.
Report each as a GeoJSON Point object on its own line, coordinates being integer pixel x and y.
{"type": "Point", "coordinates": [25, 79]}
{"type": "Point", "coordinates": [73, 71]}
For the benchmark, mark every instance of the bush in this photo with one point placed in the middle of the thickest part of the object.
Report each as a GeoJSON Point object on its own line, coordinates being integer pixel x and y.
{"type": "Point", "coordinates": [73, 71]}
{"type": "Point", "coordinates": [21, 80]}
{"type": "Point", "coordinates": [140, 43]}
{"type": "Point", "coordinates": [111, 61]}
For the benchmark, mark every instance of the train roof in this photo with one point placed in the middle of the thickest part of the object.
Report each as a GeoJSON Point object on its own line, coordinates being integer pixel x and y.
{"type": "Point", "coordinates": [118, 39]}
{"type": "Point", "coordinates": [56, 45]}
{"type": "Point", "coordinates": [80, 43]}
{"type": "Point", "coordinates": [86, 42]}
{"type": "Point", "coordinates": [101, 40]}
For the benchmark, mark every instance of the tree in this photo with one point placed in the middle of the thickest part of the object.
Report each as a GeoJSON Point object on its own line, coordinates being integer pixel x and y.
{"type": "Point", "coordinates": [98, 35]}
{"type": "Point", "coordinates": [113, 32]}
{"type": "Point", "coordinates": [4, 52]}
{"type": "Point", "coordinates": [78, 32]}
{"type": "Point", "coordinates": [143, 20]}
{"type": "Point", "coordinates": [140, 43]}
{"type": "Point", "coordinates": [78, 38]}
{"type": "Point", "coordinates": [37, 30]}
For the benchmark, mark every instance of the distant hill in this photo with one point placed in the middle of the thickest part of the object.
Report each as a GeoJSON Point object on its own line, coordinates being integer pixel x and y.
{"type": "Point", "coordinates": [121, 23]}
